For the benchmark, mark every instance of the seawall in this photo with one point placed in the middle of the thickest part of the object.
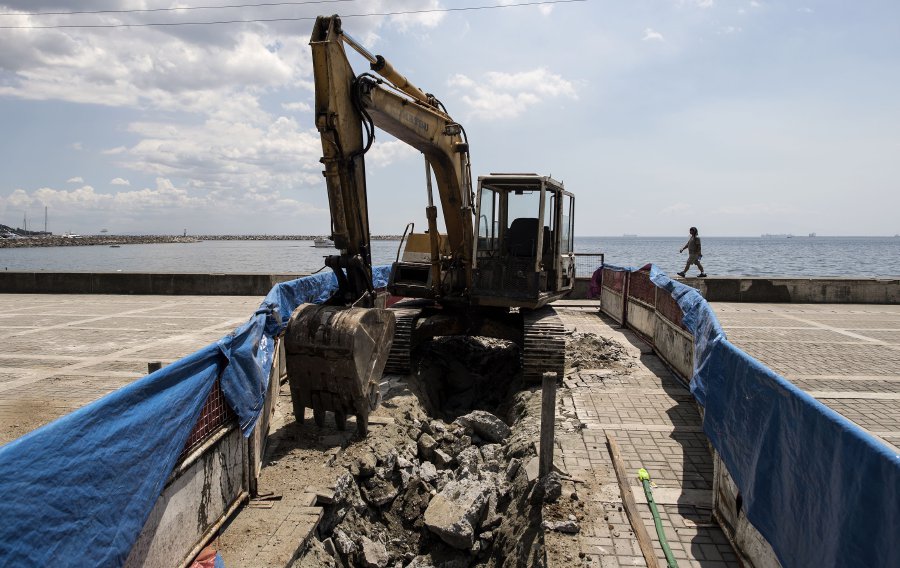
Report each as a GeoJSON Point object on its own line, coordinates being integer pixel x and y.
{"type": "Point", "coordinates": [179, 284]}
{"type": "Point", "coordinates": [715, 289]}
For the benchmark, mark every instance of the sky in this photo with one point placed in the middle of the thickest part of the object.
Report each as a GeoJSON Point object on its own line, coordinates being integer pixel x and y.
{"type": "Point", "coordinates": [740, 117]}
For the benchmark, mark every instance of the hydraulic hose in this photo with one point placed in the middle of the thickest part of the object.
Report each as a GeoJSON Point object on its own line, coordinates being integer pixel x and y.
{"type": "Point", "coordinates": [644, 476]}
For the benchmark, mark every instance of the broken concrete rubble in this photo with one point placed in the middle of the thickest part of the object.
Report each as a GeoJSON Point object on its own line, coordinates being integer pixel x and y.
{"type": "Point", "coordinates": [486, 425]}
{"type": "Point", "coordinates": [373, 554]}
{"type": "Point", "coordinates": [455, 512]}
{"type": "Point", "coordinates": [439, 494]}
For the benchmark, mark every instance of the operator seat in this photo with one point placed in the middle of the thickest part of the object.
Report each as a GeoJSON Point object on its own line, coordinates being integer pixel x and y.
{"type": "Point", "coordinates": [521, 237]}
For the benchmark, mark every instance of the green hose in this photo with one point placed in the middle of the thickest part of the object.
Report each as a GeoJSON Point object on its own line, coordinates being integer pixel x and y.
{"type": "Point", "coordinates": [644, 476]}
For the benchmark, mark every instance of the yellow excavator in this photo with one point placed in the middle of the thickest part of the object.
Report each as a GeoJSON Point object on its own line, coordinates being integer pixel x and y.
{"type": "Point", "coordinates": [506, 254]}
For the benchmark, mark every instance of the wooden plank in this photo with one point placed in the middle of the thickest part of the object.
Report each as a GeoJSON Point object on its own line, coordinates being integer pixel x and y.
{"type": "Point", "coordinates": [640, 531]}
{"type": "Point", "coordinates": [548, 422]}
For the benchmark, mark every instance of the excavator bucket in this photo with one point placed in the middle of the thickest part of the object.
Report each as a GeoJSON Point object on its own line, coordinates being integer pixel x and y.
{"type": "Point", "coordinates": [335, 357]}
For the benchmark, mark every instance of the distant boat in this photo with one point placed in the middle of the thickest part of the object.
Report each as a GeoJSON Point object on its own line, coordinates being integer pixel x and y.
{"type": "Point", "coordinates": [812, 234]}
{"type": "Point", "coordinates": [114, 246]}
{"type": "Point", "coordinates": [629, 235]}
{"type": "Point", "coordinates": [323, 242]}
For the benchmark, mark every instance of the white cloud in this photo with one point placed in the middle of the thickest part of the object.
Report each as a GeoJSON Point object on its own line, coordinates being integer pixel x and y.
{"type": "Point", "coordinates": [651, 35]}
{"type": "Point", "coordinates": [405, 22]}
{"type": "Point", "coordinates": [158, 202]}
{"type": "Point", "coordinates": [508, 95]}
{"type": "Point", "coordinates": [75, 180]}
{"type": "Point", "coordinates": [385, 153]}
{"type": "Point", "coordinates": [201, 93]}
{"type": "Point", "coordinates": [226, 155]}
{"type": "Point", "coordinates": [299, 106]}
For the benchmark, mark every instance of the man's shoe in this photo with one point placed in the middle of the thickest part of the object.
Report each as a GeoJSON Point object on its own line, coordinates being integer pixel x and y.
{"type": "Point", "coordinates": [702, 275]}
{"type": "Point", "coordinates": [680, 274]}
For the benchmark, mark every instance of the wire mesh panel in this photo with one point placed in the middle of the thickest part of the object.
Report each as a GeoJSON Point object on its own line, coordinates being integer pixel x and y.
{"type": "Point", "coordinates": [586, 263]}
{"type": "Point", "coordinates": [667, 307]}
{"type": "Point", "coordinates": [641, 288]}
{"type": "Point", "coordinates": [614, 279]}
{"type": "Point", "coordinates": [214, 415]}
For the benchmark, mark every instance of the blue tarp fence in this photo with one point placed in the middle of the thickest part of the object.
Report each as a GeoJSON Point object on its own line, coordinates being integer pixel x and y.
{"type": "Point", "coordinates": [78, 491]}
{"type": "Point", "coordinates": [822, 491]}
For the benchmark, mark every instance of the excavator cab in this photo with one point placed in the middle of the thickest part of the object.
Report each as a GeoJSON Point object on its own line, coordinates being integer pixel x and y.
{"type": "Point", "coordinates": [524, 255]}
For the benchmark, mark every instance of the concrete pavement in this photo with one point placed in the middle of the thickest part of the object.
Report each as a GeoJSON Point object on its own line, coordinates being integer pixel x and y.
{"type": "Point", "coordinates": [60, 352]}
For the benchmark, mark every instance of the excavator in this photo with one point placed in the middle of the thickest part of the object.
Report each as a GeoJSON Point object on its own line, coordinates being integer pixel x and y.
{"type": "Point", "coordinates": [507, 252]}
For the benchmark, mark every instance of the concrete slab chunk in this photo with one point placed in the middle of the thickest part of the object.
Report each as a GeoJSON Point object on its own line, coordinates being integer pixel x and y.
{"type": "Point", "coordinates": [455, 512]}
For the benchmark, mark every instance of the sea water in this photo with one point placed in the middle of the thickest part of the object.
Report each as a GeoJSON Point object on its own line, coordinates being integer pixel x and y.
{"type": "Point", "coordinates": [746, 256]}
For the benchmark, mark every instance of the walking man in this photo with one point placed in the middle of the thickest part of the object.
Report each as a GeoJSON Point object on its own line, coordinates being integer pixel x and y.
{"type": "Point", "coordinates": [695, 253]}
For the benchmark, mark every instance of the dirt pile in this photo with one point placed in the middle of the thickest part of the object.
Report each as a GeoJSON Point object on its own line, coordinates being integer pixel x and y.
{"type": "Point", "coordinates": [589, 351]}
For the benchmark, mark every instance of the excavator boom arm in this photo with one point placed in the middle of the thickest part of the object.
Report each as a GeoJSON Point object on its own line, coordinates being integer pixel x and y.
{"type": "Point", "coordinates": [347, 110]}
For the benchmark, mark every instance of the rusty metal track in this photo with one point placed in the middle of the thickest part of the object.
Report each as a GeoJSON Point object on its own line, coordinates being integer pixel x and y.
{"type": "Point", "coordinates": [401, 349]}
{"type": "Point", "coordinates": [544, 348]}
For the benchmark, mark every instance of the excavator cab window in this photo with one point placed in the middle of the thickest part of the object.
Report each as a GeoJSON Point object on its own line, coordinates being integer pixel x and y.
{"type": "Point", "coordinates": [523, 223]}
{"type": "Point", "coordinates": [567, 242]}
{"type": "Point", "coordinates": [488, 223]}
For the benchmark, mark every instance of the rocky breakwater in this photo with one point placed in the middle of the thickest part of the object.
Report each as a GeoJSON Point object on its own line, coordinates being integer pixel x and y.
{"type": "Point", "coordinates": [101, 240]}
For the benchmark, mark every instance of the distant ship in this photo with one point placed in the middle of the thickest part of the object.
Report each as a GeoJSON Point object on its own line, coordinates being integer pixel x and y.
{"type": "Point", "coordinates": [323, 242]}
{"type": "Point", "coordinates": [777, 236]}
{"type": "Point", "coordinates": [629, 235]}
{"type": "Point", "coordinates": [812, 234]}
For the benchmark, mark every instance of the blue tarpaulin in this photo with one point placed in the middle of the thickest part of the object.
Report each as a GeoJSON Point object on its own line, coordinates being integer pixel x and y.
{"type": "Point", "coordinates": [822, 491]}
{"type": "Point", "coordinates": [78, 491]}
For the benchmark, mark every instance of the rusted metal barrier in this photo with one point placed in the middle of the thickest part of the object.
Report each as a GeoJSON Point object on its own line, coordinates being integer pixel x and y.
{"type": "Point", "coordinates": [634, 301]}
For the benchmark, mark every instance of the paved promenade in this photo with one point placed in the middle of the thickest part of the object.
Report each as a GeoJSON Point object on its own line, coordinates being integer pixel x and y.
{"type": "Point", "coordinates": [845, 355]}
{"type": "Point", "coordinates": [656, 425]}
{"type": "Point", "coordinates": [60, 352]}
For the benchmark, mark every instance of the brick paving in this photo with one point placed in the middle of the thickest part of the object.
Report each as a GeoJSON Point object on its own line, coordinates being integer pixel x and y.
{"type": "Point", "coordinates": [845, 355]}
{"type": "Point", "coordinates": [657, 426]}
{"type": "Point", "coordinates": [60, 352]}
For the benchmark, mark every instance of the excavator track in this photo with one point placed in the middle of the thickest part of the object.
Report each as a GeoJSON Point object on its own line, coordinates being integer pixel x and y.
{"type": "Point", "coordinates": [544, 347]}
{"type": "Point", "coordinates": [399, 359]}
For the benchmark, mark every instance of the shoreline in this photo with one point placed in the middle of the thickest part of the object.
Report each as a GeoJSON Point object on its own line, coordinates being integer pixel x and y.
{"type": "Point", "coordinates": [108, 240]}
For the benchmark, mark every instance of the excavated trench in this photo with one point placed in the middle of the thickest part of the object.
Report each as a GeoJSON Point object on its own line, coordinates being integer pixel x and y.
{"type": "Point", "coordinates": [443, 483]}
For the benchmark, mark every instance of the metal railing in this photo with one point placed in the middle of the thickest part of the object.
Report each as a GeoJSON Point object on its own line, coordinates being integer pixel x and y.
{"type": "Point", "coordinates": [641, 288]}
{"type": "Point", "coordinates": [586, 263]}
